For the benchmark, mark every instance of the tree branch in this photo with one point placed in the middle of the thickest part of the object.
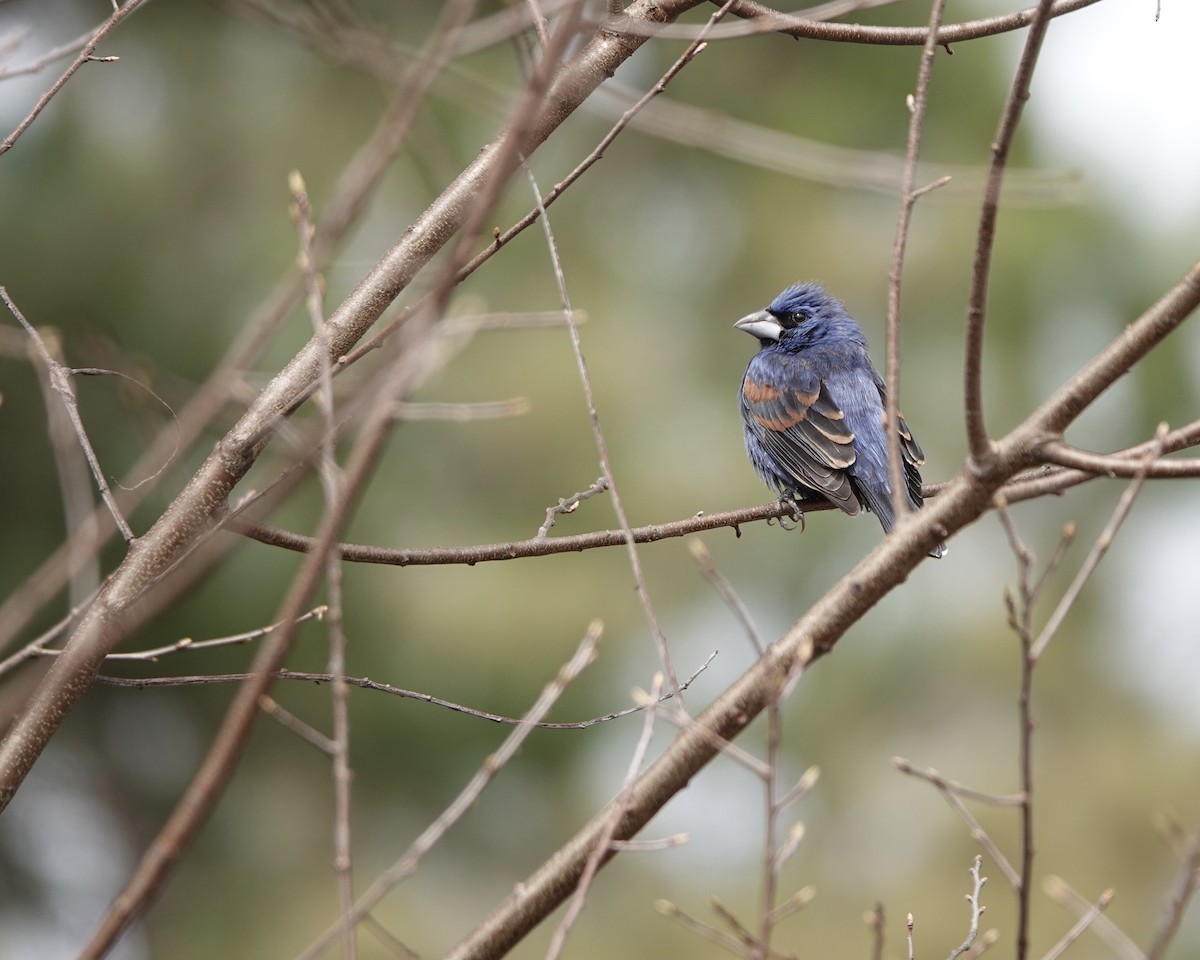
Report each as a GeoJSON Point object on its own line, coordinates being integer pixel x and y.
{"type": "Point", "coordinates": [202, 500]}
{"type": "Point", "coordinates": [772, 20]}
{"type": "Point", "coordinates": [977, 438]}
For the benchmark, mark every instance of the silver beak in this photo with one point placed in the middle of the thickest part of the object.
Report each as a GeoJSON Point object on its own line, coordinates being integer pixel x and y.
{"type": "Point", "coordinates": [762, 325]}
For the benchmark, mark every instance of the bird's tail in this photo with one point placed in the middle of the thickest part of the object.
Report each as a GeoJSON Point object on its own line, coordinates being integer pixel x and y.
{"type": "Point", "coordinates": [882, 508]}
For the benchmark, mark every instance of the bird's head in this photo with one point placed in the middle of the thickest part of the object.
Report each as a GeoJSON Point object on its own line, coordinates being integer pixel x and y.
{"type": "Point", "coordinates": [803, 314]}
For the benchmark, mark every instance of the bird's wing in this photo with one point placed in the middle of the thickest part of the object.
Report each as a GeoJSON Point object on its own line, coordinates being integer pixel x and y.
{"type": "Point", "coordinates": [914, 457]}
{"type": "Point", "coordinates": [910, 451]}
{"type": "Point", "coordinates": [790, 411]}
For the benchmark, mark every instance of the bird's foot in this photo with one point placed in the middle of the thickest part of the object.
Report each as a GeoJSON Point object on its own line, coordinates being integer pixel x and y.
{"type": "Point", "coordinates": [796, 515]}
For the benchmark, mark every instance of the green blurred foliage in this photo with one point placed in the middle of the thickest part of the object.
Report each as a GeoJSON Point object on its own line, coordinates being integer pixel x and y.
{"type": "Point", "coordinates": [146, 216]}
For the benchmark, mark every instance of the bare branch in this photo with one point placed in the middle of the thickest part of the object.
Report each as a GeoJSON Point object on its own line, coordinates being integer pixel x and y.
{"type": "Point", "coordinates": [1061, 892]}
{"type": "Point", "coordinates": [569, 504]}
{"type": "Point", "coordinates": [977, 910]}
{"type": "Point", "coordinates": [953, 786]}
{"type": "Point", "coordinates": [1115, 465]}
{"type": "Point", "coordinates": [610, 480]}
{"type": "Point", "coordinates": [977, 437]}
{"type": "Point", "coordinates": [364, 683]}
{"type": "Point", "coordinates": [271, 707]}
{"type": "Point", "coordinates": [732, 944]}
{"type": "Point", "coordinates": [725, 589]}
{"type": "Point", "coordinates": [516, 549]}
{"type": "Point", "coordinates": [85, 55]}
{"type": "Point", "coordinates": [1181, 895]}
{"type": "Point", "coordinates": [908, 198]}
{"type": "Point", "coordinates": [978, 834]}
{"type": "Point", "coordinates": [60, 382]}
{"type": "Point", "coordinates": [767, 19]}
{"type": "Point", "coordinates": [1099, 549]}
{"type": "Point", "coordinates": [575, 907]}
{"type": "Point", "coordinates": [1084, 922]}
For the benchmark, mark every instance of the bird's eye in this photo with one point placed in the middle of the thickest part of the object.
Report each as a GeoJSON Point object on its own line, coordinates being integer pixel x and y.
{"type": "Point", "coordinates": [793, 319]}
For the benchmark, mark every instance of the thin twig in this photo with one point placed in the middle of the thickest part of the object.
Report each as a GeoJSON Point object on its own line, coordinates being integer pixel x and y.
{"type": "Point", "coordinates": [154, 654]}
{"type": "Point", "coordinates": [84, 56]}
{"type": "Point", "coordinates": [1061, 892]}
{"type": "Point", "coordinates": [977, 910]}
{"type": "Point", "coordinates": [364, 683]}
{"type": "Point", "coordinates": [306, 731]}
{"type": "Point", "coordinates": [1052, 480]}
{"type": "Point", "coordinates": [806, 782]}
{"type": "Point", "coordinates": [70, 461]}
{"type": "Point", "coordinates": [60, 382]}
{"type": "Point", "coordinates": [1055, 451]}
{"type": "Point", "coordinates": [798, 26]}
{"type": "Point", "coordinates": [953, 786]}
{"type": "Point", "coordinates": [719, 937]}
{"type": "Point", "coordinates": [1083, 923]}
{"type": "Point", "coordinates": [385, 936]}
{"type": "Point", "coordinates": [1181, 895]}
{"type": "Point", "coordinates": [461, 412]}
{"type": "Point", "coordinates": [877, 922]}
{"type": "Point", "coordinates": [1065, 539]}
{"type": "Point", "coordinates": [724, 588]}
{"type": "Point", "coordinates": [908, 198]}
{"type": "Point", "coordinates": [604, 845]}
{"type": "Point", "coordinates": [1099, 549]}
{"type": "Point", "coordinates": [1020, 619]}
{"type": "Point", "coordinates": [977, 437]}
{"type": "Point", "coordinates": [978, 834]}
{"type": "Point", "coordinates": [734, 924]}
{"type": "Point", "coordinates": [40, 63]}
{"type": "Point", "coordinates": [569, 504]}
{"type": "Point", "coordinates": [635, 562]}
{"type": "Point", "coordinates": [516, 549]}
{"type": "Point", "coordinates": [646, 846]}
{"type": "Point", "coordinates": [331, 487]}
{"type": "Point", "coordinates": [797, 901]}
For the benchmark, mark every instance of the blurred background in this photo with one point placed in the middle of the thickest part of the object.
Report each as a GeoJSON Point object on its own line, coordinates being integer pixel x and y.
{"type": "Point", "coordinates": [146, 217]}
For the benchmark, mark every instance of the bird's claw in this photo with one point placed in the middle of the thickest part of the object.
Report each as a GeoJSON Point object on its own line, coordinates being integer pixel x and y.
{"type": "Point", "coordinates": [795, 514]}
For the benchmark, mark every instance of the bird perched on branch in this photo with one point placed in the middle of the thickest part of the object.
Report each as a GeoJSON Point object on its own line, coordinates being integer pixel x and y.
{"type": "Point", "coordinates": [813, 409]}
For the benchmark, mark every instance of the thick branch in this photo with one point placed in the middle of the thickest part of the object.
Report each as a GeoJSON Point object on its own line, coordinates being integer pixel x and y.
{"type": "Point", "coordinates": [205, 496]}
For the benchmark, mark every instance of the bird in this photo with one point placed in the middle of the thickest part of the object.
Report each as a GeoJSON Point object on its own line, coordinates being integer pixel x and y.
{"type": "Point", "coordinates": [813, 409]}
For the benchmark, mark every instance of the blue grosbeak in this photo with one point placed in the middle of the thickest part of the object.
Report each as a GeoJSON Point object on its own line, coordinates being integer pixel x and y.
{"type": "Point", "coordinates": [813, 408]}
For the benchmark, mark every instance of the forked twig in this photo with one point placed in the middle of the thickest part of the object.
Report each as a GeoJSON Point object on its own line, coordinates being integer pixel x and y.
{"type": "Point", "coordinates": [978, 834]}
{"type": "Point", "coordinates": [977, 910]}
